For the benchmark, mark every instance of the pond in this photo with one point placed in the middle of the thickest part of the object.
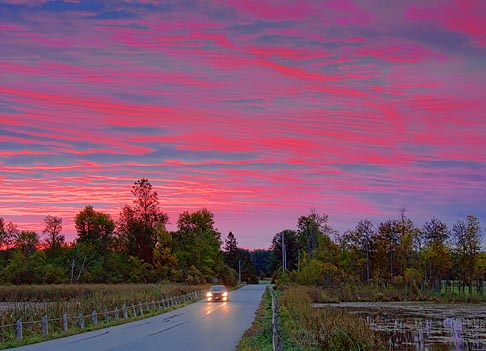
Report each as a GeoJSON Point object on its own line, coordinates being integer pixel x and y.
{"type": "Point", "coordinates": [424, 326]}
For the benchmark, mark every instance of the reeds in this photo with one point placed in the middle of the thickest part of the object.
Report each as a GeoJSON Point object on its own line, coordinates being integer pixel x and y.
{"type": "Point", "coordinates": [308, 328]}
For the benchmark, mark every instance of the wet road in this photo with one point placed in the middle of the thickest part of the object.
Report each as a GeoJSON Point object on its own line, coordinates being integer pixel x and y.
{"type": "Point", "coordinates": [200, 326]}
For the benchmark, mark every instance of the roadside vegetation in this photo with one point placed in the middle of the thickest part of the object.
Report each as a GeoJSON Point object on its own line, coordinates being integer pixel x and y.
{"type": "Point", "coordinates": [31, 303]}
{"type": "Point", "coordinates": [259, 336]}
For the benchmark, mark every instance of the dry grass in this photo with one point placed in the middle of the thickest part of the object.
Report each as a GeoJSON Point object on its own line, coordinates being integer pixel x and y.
{"type": "Point", "coordinates": [30, 303]}
{"type": "Point", "coordinates": [308, 328]}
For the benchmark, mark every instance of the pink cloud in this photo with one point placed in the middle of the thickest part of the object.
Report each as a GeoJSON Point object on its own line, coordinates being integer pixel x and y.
{"type": "Point", "coordinates": [463, 16]}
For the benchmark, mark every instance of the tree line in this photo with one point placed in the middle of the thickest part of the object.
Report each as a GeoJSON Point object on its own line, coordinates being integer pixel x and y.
{"type": "Point", "coordinates": [138, 247]}
{"type": "Point", "coordinates": [135, 248]}
{"type": "Point", "coordinates": [394, 253]}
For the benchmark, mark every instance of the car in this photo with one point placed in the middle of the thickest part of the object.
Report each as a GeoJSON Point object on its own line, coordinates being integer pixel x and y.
{"type": "Point", "coordinates": [217, 293]}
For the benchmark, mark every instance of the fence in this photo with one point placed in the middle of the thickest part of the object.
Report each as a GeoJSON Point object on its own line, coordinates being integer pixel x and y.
{"type": "Point", "coordinates": [276, 344]}
{"type": "Point", "coordinates": [82, 321]}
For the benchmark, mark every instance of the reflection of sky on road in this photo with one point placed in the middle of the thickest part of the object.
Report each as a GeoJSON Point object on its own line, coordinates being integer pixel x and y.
{"type": "Point", "coordinates": [425, 326]}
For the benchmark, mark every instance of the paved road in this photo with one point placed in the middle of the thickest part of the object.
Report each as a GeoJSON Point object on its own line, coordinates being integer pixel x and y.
{"type": "Point", "coordinates": [200, 326]}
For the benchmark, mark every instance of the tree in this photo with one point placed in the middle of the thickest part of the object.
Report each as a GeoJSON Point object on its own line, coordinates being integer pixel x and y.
{"type": "Point", "coordinates": [198, 245]}
{"type": "Point", "coordinates": [231, 251]}
{"type": "Point", "coordinates": [387, 242]}
{"type": "Point", "coordinates": [357, 245]}
{"type": "Point", "coordinates": [137, 226]}
{"type": "Point", "coordinates": [261, 259]}
{"type": "Point", "coordinates": [310, 229]}
{"type": "Point", "coordinates": [8, 231]}
{"type": "Point", "coordinates": [27, 242]}
{"type": "Point", "coordinates": [467, 235]}
{"type": "Point", "coordinates": [95, 229]}
{"type": "Point", "coordinates": [292, 248]}
{"type": "Point", "coordinates": [53, 227]}
{"type": "Point", "coordinates": [437, 253]}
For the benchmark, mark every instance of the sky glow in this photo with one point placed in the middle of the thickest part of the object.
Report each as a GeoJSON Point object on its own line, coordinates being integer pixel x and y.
{"type": "Point", "coordinates": [256, 110]}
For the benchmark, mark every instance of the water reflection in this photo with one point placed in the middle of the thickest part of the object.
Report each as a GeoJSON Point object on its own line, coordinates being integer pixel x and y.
{"type": "Point", "coordinates": [425, 326]}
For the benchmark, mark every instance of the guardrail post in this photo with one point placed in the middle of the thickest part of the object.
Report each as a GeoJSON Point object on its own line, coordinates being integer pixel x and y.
{"type": "Point", "coordinates": [65, 322]}
{"type": "Point", "coordinates": [18, 329]}
{"type": "Point", "coordinates": [94, 317]}
{"type": "Point", "coordinates": [140, 308]}
{"type": "Point", "coordinates": [134, 311]}
{"type": "Point", "coordinates": [81, 320]}
{"type": "Point", "coordinates": [124, 311]}
{"type": "Point", "coordinates": [117, 314]}
{"type": "Point", "coordinates": [44, 326]}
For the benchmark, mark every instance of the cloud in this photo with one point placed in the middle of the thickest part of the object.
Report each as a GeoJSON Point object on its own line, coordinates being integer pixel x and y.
{"type": "Point", "coordinates": [258, 111]}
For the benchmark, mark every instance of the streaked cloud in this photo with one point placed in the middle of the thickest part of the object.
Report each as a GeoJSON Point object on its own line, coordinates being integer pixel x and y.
{"type": "Point", "coordinates": [259, 111]}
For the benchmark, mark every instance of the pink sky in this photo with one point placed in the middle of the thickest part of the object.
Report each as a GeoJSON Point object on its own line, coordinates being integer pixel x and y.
{"type": "Point", "coordinates": [257, 110]}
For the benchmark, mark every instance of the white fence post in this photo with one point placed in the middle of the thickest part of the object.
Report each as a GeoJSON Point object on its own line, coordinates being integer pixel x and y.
{"type": "Point", "coordinates": [94, 318]}
{"type": "Point", "coordinates": [124, 311]}
{"type": "Point", "coordinates": [140, 308]}
{"type": "Point", "coordinates": [117, 315]}
{"type": "Point", "coordinates": [18, 328]}
{"type": "Point", "coordinates": [65, 322]}
{"type": "Point", "coordinates": [44, 326]}
{"type": "Point", "coordinates": [81, 321]}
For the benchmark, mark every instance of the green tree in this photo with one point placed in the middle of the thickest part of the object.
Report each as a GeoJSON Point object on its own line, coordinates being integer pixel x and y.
{"type": "Point", "coordinates": [387, 242]}
{"type": "Point", "coordinates": [198, 245]}
{"type": "Point", "coordinates": [357, 246]}
{"type": "Point", "coordinates": [310, 229]}
{"type": "Point", "coordinates": [292, 248]}
{"type": "Point", "coordinates": [231, 251]}
{"type": "Point", "coordinates": [165, 260]}
{"type": "Point", "coordinates": [25, 269]}
{"type": "Point", "coordinates": [27, 242]}
{"type": "Point", "coordinates": [95, 229]}
{"type": "Point", "coordinates": [8, 231]}
{"type": "Point", "coordinates": [438, 256]}
{"type": "Point", "coordinates": [137, 226]}
{"type": "Point", "coordinates": [467, 235]}
{"type": "Point", "coordinates": [262, 259]}
{"type": "Point", "coordinates": [248, 272]}
{"type": "Point", "coordinates": [54, 239]}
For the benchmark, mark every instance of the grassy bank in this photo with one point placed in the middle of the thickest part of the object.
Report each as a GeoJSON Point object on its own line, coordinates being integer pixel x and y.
{"type": "Point", "coordinates": [259, 336]}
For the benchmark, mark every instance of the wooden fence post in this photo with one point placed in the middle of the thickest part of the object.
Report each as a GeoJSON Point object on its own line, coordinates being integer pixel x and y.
{"type": "Point", "coordinates": [124, 311]}
{"type": "Point", "coordinates": [117, 315]}
{"type": "Point", "coordinates": [94, 318]}
{"type": "Point", "coordinates": [140, 308]}
{"type": "Point", "coordinates": [81, 321]}
{"type": "Point", "coordinates": [44, 326]}
{"type": "Point", "coordinates": [107, 316]}
{"type": "Point", "coordinates": [134, 311]}
{"type": "Point", "coordinates": [65, 322]}
{"type": "Point", "coordinates": [18, 328]}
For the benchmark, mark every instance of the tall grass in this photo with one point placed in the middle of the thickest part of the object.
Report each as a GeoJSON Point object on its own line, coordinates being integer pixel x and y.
{"type": "Point", "coordinates": [308, 328]}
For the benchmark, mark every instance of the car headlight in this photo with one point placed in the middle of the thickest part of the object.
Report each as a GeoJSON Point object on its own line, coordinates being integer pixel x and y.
{"type": "Point", "coordinates": [209, 294]}
{"type": "Point", "coordinates": [225, 293]}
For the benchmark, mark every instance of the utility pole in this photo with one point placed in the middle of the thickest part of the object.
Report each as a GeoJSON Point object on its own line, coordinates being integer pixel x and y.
{"type": "Point", "coordinates": [284, 253]}
{"type": "Point", "coordinates": [239, 271]}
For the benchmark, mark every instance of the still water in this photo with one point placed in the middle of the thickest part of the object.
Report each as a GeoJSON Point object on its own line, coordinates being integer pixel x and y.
{"type": "Point", "coordinates": [424, 326]}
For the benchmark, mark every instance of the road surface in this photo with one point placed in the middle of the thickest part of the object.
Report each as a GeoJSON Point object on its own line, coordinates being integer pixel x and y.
{"type": "Point", "coordinates": [199, 326]}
